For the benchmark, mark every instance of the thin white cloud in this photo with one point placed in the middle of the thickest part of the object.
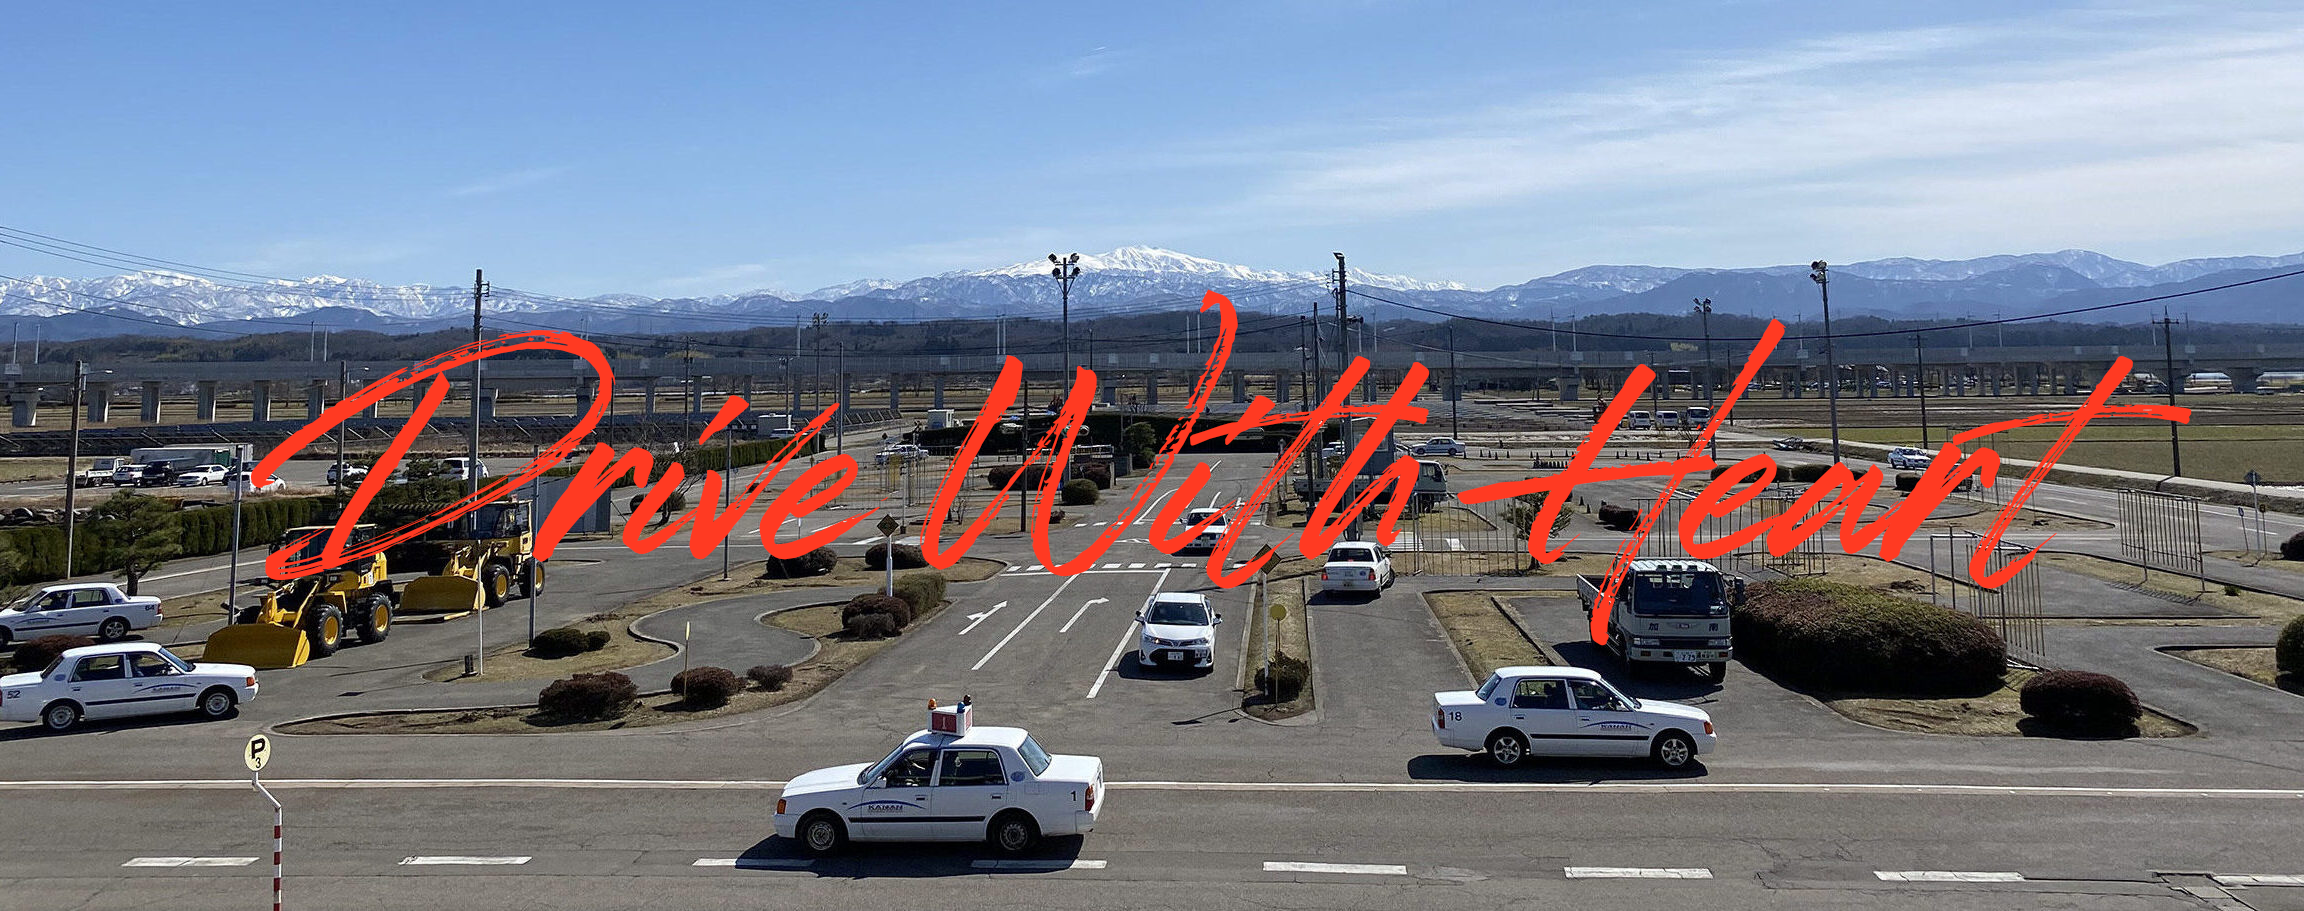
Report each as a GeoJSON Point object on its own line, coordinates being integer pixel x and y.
{"type": "Point", "coordinates": [304, 255]}
{"type": "Point", "coordinates": [510, 180]}
{"type": "Point", "coordinates": [741, 276]}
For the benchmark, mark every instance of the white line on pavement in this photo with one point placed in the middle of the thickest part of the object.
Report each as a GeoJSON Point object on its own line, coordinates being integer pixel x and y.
{"type": "Point", "coordinates": [1003, 643]}
{"type": "Point", "coordinates": [1083, 609]}
{"type": "Point", "coordinates": [1440, 787]}
{"type": "Point", "coordinates": [1049, 866]}
{"type": "Point", "coordinates": [1127, 635]}
{"type": "Point", "coordinates": [1291, 866]}
{"type": "Point", "coordinates": [755, 863]}
{"type": "Point", "coordinates": [2260, 879]}
{"type": "Point", "coordinates": [974, 619]}
{"type": "Point", "coordinates": [244, 564]}
{"type": "Point", "coordinates": [1945, 876]}
{"type": "Point", "coordinates": [1637, 872]}
{"type": "Point", "coordinates": [189, 862]}
{"type": "Point", "coordinates": [461, 860]}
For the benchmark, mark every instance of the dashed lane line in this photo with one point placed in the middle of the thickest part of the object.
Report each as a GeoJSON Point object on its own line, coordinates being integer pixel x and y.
{"type": "Point", "coordinates": [1946, 876]}
{"type": "Point", "coordinates": [755, 863]}
{"type": "Point", "coordinates": [2260, 879]}
{"type": "Point", "coordinates": [1466, 787]}
{"type": "Point", "coordinates": [1028, 618]}
{"type": "Point", "coordinates": [1294, 866]}
{"type": "Point", "coordinates": [1637, 872]}
{"type": "Point", "coordinates": [463, 860]}
{"type": "Point", "coordinates": [189, 861]}
{"type": "Point", "coordinates": [1044, 866]}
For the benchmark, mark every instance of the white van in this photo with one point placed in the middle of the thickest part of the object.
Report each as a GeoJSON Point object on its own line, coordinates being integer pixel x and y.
{"type": "Point", "coordinates": [1642, 420]}
{"type": "Point", "coordinates": [1668, 420]}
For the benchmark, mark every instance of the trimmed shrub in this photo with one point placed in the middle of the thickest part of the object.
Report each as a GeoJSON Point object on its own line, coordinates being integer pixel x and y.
{"type": "Point", "coordinates": [597, 639]}
{"type": "Point", "coordinates": [908, 556]}
{"type": "Point", "coordinates": [2081, 701]}
{"type": "Point", "coordinates": [706, 687]}
{"type": "Point", "coordinates": [920, 591]}
{"type": "Point", "coordinates": [877, 603]}
{"type": "Point", "coordinates": [1099, 473]}
{"type": "Point", "coordinates": [1845, 637]}
{"type": "Point", "coordinates": [1907, 482]}
{"type": "Point", "coordinates": [588, 697]}
{"type": "Point", "coordinates": [1033, 475]}
{"type": "Point", "coordinates": [871, 626]}
{"type": "Point", "coordinates": [2293, 548]}
{"type": "Point", "coordinates": [1807, 472]}
{"type": "Point", "coordinates": [32, 655]}
{"type": "Point", "coordinates": [2288, 650]}
{"type": "Point", "coordinates": [770, 677]}
{"type": "Point", "coordinates": [1286, 678]}
{"type": "Point", "coordinates": [1618, 518]}
{"type": "Point", "coordinates": [559, 642]}
{"type": "Point", "coordinates": [1079, 492]}
{"type": "Point", "coordinates": [813, 563]}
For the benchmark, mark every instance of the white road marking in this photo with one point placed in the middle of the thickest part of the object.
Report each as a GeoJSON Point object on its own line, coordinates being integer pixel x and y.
{"type": "Point", "coordinates": [1443, 787]}
{"type": "Point", "coordinates": [1637, 872]}
{"type": "Point", "coordinates": [1079, 525]}
{"type": "Point", "coordinates": [1102, 524]}
{"type": "Point", "coordinates": [1049, 866]}
{"type": "Point", "coordinates": [1083, 609]}
{"type": "Point", "coordinates": [2260, 879]}
{"type": "Point", "coordinates": [1035, 568]}
{"type": "Point", "coordinates": [755, 863]}
{"type": "Point", "coordinates": [1003, 643]}
{"type": "Point", "coordinates": [189, 862]}
{"type": "Point", "coordinates": [1291, 866]}
{"type": "Point", "coordinates": [1135, 566]}
{"type": "Point", "coordinates": [1127, 636]}
{"type": "Point", "coordinates": [1162, 565]}
{"type": "Point", "coordinates": [194, 572]}
{"type": "Point", "coordinates": [460, 860]}
{"type": "Point", "coordinates": [1945, 876]}
{"type": "Point", "coordinates": [974, 619]}
{"type": "Point", "coordinates": [1111, 566]}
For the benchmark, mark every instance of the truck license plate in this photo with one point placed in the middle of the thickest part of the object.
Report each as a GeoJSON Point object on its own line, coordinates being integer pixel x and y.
{"type": "Point", "coordinates": [1696, 656]}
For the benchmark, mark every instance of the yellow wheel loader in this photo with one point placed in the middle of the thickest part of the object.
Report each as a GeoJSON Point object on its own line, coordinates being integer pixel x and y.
{"type": "Point", "coordinates": [307, 618]}
{"type": "Point", "coordinates": [478, 562]}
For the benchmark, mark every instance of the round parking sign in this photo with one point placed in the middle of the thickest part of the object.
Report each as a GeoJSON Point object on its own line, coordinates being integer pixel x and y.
{"type": "Point", "coordinates": [258, 754]}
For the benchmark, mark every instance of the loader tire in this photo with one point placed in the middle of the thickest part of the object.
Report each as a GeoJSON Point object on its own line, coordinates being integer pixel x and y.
{"type": "Point", "coordinates": [373, 618]}
{"type": "Point", "coordinates": [531, 578]}
{"type": "Point", "coordinates": [326, 631]}
{"type": "Point", "coordinates": [495, 584]}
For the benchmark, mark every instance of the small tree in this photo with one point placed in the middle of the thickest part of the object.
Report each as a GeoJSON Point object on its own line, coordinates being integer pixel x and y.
{"type": "Point", "coordinates": [1521, 515]}
{"type": "Point", "coordinates": [1141, 441]}
{"type": "Point", "coordinates": [140, 532]}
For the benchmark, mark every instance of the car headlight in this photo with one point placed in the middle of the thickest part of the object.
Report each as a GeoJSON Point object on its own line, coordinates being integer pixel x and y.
{"type": "Point", "coordinates": [1644, 643]}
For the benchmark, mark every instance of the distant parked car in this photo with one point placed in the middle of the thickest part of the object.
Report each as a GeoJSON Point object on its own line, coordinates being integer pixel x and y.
{"type": "Point", "coordinates": [1667, 420]}
{"type": "Point", "coordinates": [1909, 458]}
{"type": "Point", "coordinates": [1440, 446]}
{"type": "Point", "coordinates": [1792, 444]}
{"type": "Point", "coordinates": [151, 474]}
{"type": "Point", "coordinates": [1642, 420]}
{"type": "Point", "coordinates": [899, 453]}
{"type": "Point", "coordinates": [201, 476]}
{"type": "Point", "coordinates": [97, 609]}
{"type": "Point", "coordinates": [346, 472]}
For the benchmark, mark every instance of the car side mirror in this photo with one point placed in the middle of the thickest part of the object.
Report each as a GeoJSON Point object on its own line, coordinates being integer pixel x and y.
{"type": "Point", "coordinates": [1219, 619]}
{"type": "Point", "coordinates": [1139, 616]}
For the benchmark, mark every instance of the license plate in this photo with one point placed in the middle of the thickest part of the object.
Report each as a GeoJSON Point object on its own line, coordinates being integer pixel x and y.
{"type": "Point", "coordinates": [1173, 655]}
{"type": "Point", "coordinates": [1697, 656]}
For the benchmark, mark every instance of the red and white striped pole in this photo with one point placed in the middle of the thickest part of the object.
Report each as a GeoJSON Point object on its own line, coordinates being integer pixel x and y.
{"type": "Point", "coordinates": [275, 854]}
{"type": "Point", "coordinates": [258, 755]}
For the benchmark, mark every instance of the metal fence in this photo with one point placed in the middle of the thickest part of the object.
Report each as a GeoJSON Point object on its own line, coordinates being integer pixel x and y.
{"type": "Point", "coordinates": [1803, 559]}
{"type": "Point", "coordinates": [2012, 610]}
{"type": "Point", "coordinates": [2162, 531]}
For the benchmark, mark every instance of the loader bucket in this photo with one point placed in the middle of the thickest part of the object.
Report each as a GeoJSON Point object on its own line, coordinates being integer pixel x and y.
{"type": "Point", "coordinates": [258, 645]}
{"type": "Point", "coordinates": [440, 595]}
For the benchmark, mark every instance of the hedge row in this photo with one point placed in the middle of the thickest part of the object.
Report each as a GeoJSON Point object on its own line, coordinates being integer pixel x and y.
{"type": "Point", "coordinates": [2081, 702]}
{"type": "Point", "coordinates": [2288, 650]}
{"type": "Point", "coordinates": [1830, 635]}
{"type": "Point", "coordinates": [704, 457]}
{"type": "Point", "coordinates": [203, 530]}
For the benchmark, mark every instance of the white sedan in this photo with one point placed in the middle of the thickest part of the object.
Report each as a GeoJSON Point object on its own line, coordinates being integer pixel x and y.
{"type": "Point", "coordinates": [201, 476]}
{"type": "Point", "coordinates": [1179, 628]}
{"type": "Point", "coordinates": [1910, 458]}
{"type": "Point", "coordinates": [1206, 540]}
{"type": "Point", "coordinates": [1357, 566]}
{"type": "Point", "coordinates": [1567, 711]}
{"type": "Point", "coordinates": [1440, 446]}
{"type": "Point", "coordinates": [952, 782]}
{"type": "Point", "coordinates": [123, 680]}
{"type": "Point", "coordinates": [97, 609]}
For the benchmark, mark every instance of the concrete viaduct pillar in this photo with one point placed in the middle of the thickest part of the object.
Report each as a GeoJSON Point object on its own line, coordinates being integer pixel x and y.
{"type": "Point", "coordinates": [150, 412]}
{"type": "Point", "coordinates": [648, 392]}
{"type": "Point", "coordinates": [895, 393]}
{"type": "Point", "coordinates": [316, 399]}
{"type": "Point", "coordinates": [260, 400]}
{"type": "Point", "coordinates": [99, 402]}
{"type": "Point", "coordinates": [1152, 389]}
{"type": "Point", "coordinates": [585, 392]}
{"type": "Point", "coordinates": [204, 401]}
{"type": "Point", "coordinates": [936, 384]}
{"type": "Point", "coordinates": [1239, 388]}
{"type": "Point", "coordinates": [488, 403]}
{"type": "Point", "coordinates": [24, 402]}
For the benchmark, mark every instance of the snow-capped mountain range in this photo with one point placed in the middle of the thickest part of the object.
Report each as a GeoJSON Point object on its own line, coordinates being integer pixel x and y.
{"type": "Point", "coordinates": [1137, 279]}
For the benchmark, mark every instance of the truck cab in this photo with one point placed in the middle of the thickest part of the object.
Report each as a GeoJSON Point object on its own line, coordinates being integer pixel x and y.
{"type": "Point", "coordinates": [1669, 612]}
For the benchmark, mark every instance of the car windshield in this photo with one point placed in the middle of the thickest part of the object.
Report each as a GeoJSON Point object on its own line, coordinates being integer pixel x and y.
{"type": "Point", "coordinates": [1351, 555]}
{"type": "Point", "coordinates": [1674, 594]}
{"type": "Point", "coordinates": [1177, 613]}
{"type": "Point", "coordinates": [1201, 515]}
{"type": "Point", "coordinates": [1033, 755]}
{"type": "Point", "coordinates": [876, 769]}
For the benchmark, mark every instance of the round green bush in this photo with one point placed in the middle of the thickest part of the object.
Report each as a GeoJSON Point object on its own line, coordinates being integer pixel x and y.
{"type": "Point", "coordinates": [813, 563]}
{"type": "Point", "coordinates": [1079, 492]}
{"type": "Point", "coordinates": [1807, 472]}
{"type": "Point", "coordinates": [870, 626]}
{"type": "Point", "coordinates": [2293, 548]}
{"type": "Point", "coordinates": [1033, 475]}
{"type": "Point", "coordinates": [1098, 472]}
{"type": "Point", "coordinates": [2288, 650]}
{"type": "Point", "coordinates": [770, 677]}
{"type": "Point", "coordinates": [876, 603]}
{"type": "Point", "coordinates": [559, 642]}
{"type": "Point", "coordinates": [1907, 482]}
{"type": "Point", "coordinates": [921, 591]}
{"type": "Point", "coordinates": [2081, 701]}
{"type": "Point", "coordinates": [1286, 677]}
{"type": "Point", "coordinates": [1617, 517]}
{"type": "Point", "coordinates": [1845, 637]}
{"type": "Point", "coordinates": [908, 556]}
{"type": "Point", "coordinates": [598, 639]}
{"type": "Point", "coordinates": [706, 687]}
{"type": "Point", "coordinates": [34, 655]}
{"type": "Point", "coordinates": [588, 697]}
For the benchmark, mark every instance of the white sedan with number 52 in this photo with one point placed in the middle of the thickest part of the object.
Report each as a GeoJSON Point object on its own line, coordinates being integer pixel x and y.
{"type": "Point", "coordinates": [1567, 711]}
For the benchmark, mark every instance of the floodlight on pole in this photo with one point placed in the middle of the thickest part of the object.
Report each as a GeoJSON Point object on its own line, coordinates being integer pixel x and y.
{"type": "Point", "coordinates": [1821, 273]}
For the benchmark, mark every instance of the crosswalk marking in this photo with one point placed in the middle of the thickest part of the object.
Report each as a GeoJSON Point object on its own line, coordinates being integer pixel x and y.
{"type": "Point", "coordinates": [1111, 566]}
{"type": "Point", "coordinates": [1638, 872]}
{"type": "Point", "coordinates": [462, 860]}
{"type": "Point", "coordinates": [1135, 566]}
{"type": "Point", "coordinates": [1946, 876]}
{"type": "Point", "coordinates": [1293, 866]}
{"type": "Point", "coordinates": [189, 861]}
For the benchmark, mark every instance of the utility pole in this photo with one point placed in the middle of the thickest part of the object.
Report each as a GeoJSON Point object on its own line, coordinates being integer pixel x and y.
{"type": "Point", "coordinates": [1920, 358]}
{"type": "Point", "coordinates": [840, 417]}
{"type": "Point", "coordinates": [1821, 272]}
{"type": "Point", "coordinates": [2168, 379]}
{"type": "Point", "coordinates": [472, 472]}
{"type": "Point", "coordinates": [343, 388]}
{"type": "Point", "coordinates": [688, 396]}
{"type": "Point", "coordinates": [1319, 382]}
{"type": "Point", "coordinates": [72, 466]}
{"type": "Point", "coordinates": [1455, 390]}
{"type": "Point", "coordinates": [1344, 354]}
{"type": "Point", "coordinates": [1704, 313]}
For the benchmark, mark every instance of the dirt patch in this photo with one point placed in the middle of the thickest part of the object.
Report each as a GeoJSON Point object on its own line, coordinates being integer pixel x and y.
{"type": "Point", "coordinates": [1293, 636]}
{"type": "Point", "coordinates": [1485, 637]}
{"type": "Point", "coordinates": [2256, 604]}
{"type": "Point", "coordinates": [2256, 664]}
{"type": "Point", "coordinates": [1994, 714]}
{"type": "Point", "coordinates": [2253, 558]}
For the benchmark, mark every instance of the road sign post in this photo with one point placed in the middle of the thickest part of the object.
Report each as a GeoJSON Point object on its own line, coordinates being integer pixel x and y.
{"type": "Point", "coordinates": [2256, 499]}
{"type": "Point", "coordinates": [888, 529]}
{"type": "Point", "coordinates": [256, 756]}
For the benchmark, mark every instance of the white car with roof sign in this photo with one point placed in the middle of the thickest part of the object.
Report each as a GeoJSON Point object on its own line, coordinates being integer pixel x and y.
{"type": "Point", "coordinates": [1567, 711]}
{"type": "Point", "coordinates": [122, 680]}
{"type": "Point", "coordinates": [98, 609]}
{"type": "Point", "coordinates": [1206, 540]}
{"type": "Point", "coordinates": [1177, 628]}
{"type": "Point", "coordinates": [952, 782]}
{"type": "Point", "coordinates": [1357, 566]}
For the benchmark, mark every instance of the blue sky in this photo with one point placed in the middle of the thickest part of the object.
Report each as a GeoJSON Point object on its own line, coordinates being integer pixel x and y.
{"type": "Point", "coordinates": [677, 149]}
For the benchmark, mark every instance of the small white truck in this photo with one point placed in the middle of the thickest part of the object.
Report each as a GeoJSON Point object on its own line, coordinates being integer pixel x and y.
{"type": "Point", "coordinates": [951, 782]}
{"type": "Point", "coordinates": [99, 472]}
{"type": "Point", "coordinates": [96, 609]}
{"type": "Point", "coordinates": [1669, 612]}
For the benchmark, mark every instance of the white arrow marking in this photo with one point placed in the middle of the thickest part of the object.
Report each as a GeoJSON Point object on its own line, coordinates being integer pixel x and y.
{"type": "Point", "coordinates": [974, 619]}
{"type": "Point", "coordinates": [1028, 618]}
{"type": "Point", "coordinates": [1083, 609]}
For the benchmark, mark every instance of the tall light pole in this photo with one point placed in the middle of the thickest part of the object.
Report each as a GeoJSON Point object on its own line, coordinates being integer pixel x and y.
{"type": "Point", "coordinates": [2169, 380]}
{"type": "Point", "coordinates": [1704, 312]}
{"type": "Point", "coordinates": [1920, 358]}
{"type": "Point", "coordinates": [1067, 268]}
{"type": "Point", "coordinates": [1821, 273]}
{"type": "Point", "coordinates": [72, 466]}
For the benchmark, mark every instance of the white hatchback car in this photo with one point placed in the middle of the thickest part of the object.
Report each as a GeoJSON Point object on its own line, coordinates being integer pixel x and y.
{"type": "Point", "coordinates": [1357, 566]}
{"type": "Point", "coordinates": [1567, 711]}
{"type": "Point", "coordinates": [120, 681]}
{"type": "Point", "coordinates": [1177, 628]}
{"type": "Point", "coordinates": [201, 476]}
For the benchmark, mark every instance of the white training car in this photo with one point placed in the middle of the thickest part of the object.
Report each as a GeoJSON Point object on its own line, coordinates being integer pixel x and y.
{"type": "Point", "coordinates": [1440, 446]}
{"type": "Point", "coordinates": [201, 476]}
{"type": "Point", "coordinates": [96, 609]}
{"type": "Point", "coordinates": [1910, 458]}
{"type": "Point", "coordinates": [1357, 566]}
{"type": "Point", "coordinates": [1178, 628]}
{"type": "Point", "coordinates": [899, 453]}
{"type": "Point", "coordinates": [346, 473]}
{"type": "Point", "coordinates": [1566, 711]}
{"type": "Point", "coordinates": [120, 681]}
{"type": "Point", "coordinates": [952, 782]}
{"type": "Point", "coordinates": [1206, 540]}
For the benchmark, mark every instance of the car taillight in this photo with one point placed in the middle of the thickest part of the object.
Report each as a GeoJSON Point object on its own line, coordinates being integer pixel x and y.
{"type": "Point", "coordinates": [251, 681]}
{"type": "Point", "coordinates": [1089, 803]}
{"type": "Point", "coordinates": [1707, 727]}
{"type": "Point", "coordinates": [1440, 718]}
{"type": "Point", "coordinates": [779, 806]}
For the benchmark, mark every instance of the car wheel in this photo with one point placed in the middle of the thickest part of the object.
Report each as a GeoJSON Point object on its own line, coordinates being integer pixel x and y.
{"type": "Point", "coordinates": [1013, 833]}
{"type": "Point", "coordinates": [113, 629]}
{"type": "Point", "coordinates": [822, 833]}
{"type": "Point", "coordinates": [1507, 748]}
{"type": "Point", "coordinates": [1673, 750]}
{"type": "Point", "coordinates": [60, 717]}
{"type": "Point", "coordinates": [216, 703]}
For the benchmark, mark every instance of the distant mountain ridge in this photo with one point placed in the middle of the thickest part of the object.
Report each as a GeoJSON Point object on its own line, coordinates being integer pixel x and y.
{"type": "Point", "coordinates": [1137, 278]}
